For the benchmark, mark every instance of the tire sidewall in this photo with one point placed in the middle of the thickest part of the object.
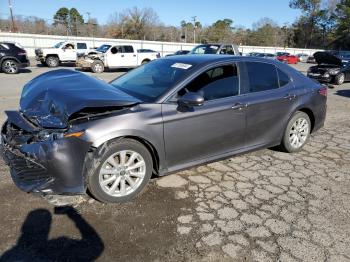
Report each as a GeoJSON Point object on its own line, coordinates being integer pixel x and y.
{"type": "Point", "coordinates": [7, 72]}
{"type": "Point", "coordinates": [285, 141]}
{"type": "Point", "coordinates": [102, 155]}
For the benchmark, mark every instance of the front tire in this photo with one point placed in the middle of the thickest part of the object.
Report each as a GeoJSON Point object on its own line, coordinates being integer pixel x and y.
{"type": "Point", "coordinates": [339, 79]}
{"type": "Point", "coordinates": [52, 61]}
{"type": "Point", "coordinates": [297, 133]}
{"type": "Point", "coordinates": [10, 66]}
{"type": "Point", "coordinates": [97, 67]}
{"type": "Point", "coordinates": [120, 171]}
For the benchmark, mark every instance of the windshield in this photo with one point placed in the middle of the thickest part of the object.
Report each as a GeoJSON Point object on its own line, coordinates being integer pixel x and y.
{"type": "Point", "coordinates": [152, 80]}
{"type": "Point", "coordinates": [58, 45]}
{"type": "Point", "coordinates": [205, 49]}
{"type": "Point", "coordinates": [103, 48]}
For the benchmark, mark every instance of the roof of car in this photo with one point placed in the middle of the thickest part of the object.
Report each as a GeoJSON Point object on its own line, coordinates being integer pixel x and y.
{"type": "Point", "coordinates": [209, 59]}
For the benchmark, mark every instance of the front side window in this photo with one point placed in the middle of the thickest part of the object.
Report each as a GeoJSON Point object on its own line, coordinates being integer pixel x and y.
{"type": "Point", "coordinates": [261, 77]}
{"type": "Point", "coordinates": [216, 83]}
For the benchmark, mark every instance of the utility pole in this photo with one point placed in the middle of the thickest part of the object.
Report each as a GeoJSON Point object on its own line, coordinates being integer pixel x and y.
{"type": "Point", "coordinates": [194, 18]}
{"type": "Point", "coordinates": [14, 29]}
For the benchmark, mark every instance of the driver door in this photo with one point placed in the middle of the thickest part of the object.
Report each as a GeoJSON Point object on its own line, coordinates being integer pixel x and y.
{"type": "Point", "coordinates": [69, 52]}
{"type": "Point", "coordinates": [116, 57]}
{"type": "Point", "coordinates": [215, 128]}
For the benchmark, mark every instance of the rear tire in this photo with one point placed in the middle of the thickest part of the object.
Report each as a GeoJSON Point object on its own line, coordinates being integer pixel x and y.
{"type": "Point", "coordinates": [52, 61]}
{"type": "Point", "coordinates": [297, 133]}
{"type": "Point", "coordinates": [97, 67]}
{"type": "Point", "coordinates": [10, 66]}
{"type": "Point", "coordinates": [339, 79]}
{"type": "Point", "coordinates": [145, 61]}
{"type": "Point", "coordinates": [120, 171]}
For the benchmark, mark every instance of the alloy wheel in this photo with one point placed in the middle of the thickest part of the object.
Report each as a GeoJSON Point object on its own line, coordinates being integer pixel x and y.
{"type": "Point", "coordinates": [299, 133]}
{"type": "Point", "coordinates": [122, 173]}
{"type": "Point", "coordinates": [10, 67]}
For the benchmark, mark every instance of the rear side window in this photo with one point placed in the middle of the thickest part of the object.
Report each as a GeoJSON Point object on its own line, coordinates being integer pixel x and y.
{"type": "Point", "coordinates": [81, 46]}
{"type": "Point", "coordinates": [128, 49]}
{"type": "Point", "coordinates": [216, 83]}
{"type": "Point", "coordinates": [283, 78]}
{"type": "Point", "coordinates": [261, 76]}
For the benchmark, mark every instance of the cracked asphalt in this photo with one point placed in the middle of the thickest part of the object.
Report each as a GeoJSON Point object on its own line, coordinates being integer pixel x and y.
{"type": "Point", "coordinates": [262, 206]}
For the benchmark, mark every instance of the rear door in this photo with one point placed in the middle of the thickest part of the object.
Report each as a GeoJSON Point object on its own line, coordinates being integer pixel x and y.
{"type": "Point", "coordinates": [209, 130]}
{"type": "Point", "coordinates": [271, 98]}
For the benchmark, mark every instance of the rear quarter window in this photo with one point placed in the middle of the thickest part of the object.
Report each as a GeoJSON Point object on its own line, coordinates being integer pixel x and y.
{"type": "Point", "coordinates": [283, 78]}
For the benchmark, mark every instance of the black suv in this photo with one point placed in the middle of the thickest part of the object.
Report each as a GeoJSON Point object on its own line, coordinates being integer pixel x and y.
{"type": "Point", "coordinates": [12, 57]}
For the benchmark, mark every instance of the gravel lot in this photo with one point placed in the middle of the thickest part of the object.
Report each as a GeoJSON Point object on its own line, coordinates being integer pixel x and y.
{"type": "Point", "coordinates": [262, 206]}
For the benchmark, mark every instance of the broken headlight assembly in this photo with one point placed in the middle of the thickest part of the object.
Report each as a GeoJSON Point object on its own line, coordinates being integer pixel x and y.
{"type": "Point", "coordinates": [333, 72]}
{"type": "Point", "coordinates": [51, 135]}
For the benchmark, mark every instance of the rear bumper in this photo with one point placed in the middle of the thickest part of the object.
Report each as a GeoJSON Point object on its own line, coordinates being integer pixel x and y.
{"type": "Point", "coordinates": [48, 167]}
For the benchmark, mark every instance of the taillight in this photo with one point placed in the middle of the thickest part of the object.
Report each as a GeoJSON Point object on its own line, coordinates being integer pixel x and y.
{"type": "Point", "coordinates": [323, 91]}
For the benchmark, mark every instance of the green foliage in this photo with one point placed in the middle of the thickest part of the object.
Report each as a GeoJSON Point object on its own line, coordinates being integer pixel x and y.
{"type": "Point", "coordinates": [71, 18]}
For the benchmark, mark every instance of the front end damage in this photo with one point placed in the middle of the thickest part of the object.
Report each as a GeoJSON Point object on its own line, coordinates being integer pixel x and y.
{"type": "Point", "coordinates": [43, 144]}
{"type": "Point", "coordinates": [47, 163]}
{"type": "Point", "coordinates": [85, 62]}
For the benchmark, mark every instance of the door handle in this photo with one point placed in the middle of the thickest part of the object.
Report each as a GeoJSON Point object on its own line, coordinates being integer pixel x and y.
{"type": "Point", "coordinates": [239, 106]}
{"type": "Point", "coordinates": [134, 55]}
{"type": "Point", "coordinates": [290, 96]}
{"type": "Point", "coordinates": [122, 55]}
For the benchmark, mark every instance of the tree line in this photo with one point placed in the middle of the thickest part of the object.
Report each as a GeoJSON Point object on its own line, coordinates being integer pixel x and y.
{"type": "Point", "coordinates": [322, 24]}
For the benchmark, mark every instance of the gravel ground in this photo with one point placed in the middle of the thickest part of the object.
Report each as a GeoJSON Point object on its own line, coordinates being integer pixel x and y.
{"type": "Point", "coordinates": [262, 206]}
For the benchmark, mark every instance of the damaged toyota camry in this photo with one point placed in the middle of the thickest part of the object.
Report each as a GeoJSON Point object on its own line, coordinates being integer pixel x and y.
{"type": "Point", "coordinates": [75, 134]}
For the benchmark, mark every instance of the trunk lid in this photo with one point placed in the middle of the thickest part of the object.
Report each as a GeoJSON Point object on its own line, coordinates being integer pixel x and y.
{"type": "Point", "coordinates": [51, 98]}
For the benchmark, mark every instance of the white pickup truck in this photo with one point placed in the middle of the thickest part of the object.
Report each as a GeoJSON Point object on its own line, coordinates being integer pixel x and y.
{"type": "Point", "coordinates": [62, 52]}
{"type": "Point", "coordinates": [118, 56]}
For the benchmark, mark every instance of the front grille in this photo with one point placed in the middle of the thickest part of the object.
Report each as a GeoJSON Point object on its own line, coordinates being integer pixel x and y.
{"type": "Point", "coordinates": [25, 169]}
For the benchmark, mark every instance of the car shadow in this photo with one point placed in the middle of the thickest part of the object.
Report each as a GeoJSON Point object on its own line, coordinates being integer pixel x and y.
{"type": "Point", "coordinates": [25, 70]}
{"type": "Point", "coordinates": [34, 243]}
{"type": "Point", "coordinates": [345, 93]}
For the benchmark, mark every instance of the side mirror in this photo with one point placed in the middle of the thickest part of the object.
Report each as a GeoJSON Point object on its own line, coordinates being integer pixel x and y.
{"type": "Point", "coordinates": [191, 99]}
{"type": "Point", "coordinates": [114, 51]}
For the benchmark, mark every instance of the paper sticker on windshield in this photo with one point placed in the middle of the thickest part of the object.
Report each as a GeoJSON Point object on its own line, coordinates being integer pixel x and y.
{"type": "Point", "coordinates": [181, 66]}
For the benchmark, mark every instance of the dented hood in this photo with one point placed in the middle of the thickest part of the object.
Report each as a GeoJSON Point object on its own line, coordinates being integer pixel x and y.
{"type": "Point", "coordinates": [52, 98]}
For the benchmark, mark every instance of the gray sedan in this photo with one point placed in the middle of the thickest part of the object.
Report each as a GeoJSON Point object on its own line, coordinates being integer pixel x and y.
{"type": "Point", "coordinates": [74, 132]}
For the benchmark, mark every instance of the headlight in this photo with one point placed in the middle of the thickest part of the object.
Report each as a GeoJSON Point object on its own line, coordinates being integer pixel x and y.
{"type": "Point", "coordinates": [334, 71]}
{"type": "Point", "coordinates": [49, 135]}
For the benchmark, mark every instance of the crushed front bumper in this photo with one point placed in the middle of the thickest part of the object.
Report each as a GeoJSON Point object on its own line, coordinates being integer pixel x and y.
{"type": "Point", "coordinates": [84, 63]}
{"type": "Point", "coordinates": [47, 167]}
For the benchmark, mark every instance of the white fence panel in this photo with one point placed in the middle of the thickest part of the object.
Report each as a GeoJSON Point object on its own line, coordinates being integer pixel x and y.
{"type": "Point", "coordinates": [32, 41]}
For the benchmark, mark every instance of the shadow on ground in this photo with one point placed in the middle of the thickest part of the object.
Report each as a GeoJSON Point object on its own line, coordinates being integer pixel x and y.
{"type": "Point", "coordinates": [34, 244]}
{"type": "Point", "coordinates": [345, 93]}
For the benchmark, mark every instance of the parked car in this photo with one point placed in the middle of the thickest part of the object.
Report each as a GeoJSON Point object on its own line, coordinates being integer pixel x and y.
{"type": "Point", "coordinates": [253, 54]}
{"type": "Point", "coordinates": [12, 57]}
{"type": "Point", "coordinates": [266, 55]}
{"type": "Point", "coordinates": [74, 132]}
{"type": "Point", "coordinates": [302, 57]}
{"type": "Point", "coordinates": [288, 59]}
{"type": "Point", "coordinates": [119, 56]}
{"type": "Point", "coordinates": [282, 54]}
{"type": "Point", "coordinates": [329, 69]}
{"type": "Point", "coordinates": [221, 49]}
{"type": "Point", "coordinates": [311, 60]}
{"type": "Point", "coordinates": [180, 52]}
{"type": "Point", "coordinates": [62, 52]}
